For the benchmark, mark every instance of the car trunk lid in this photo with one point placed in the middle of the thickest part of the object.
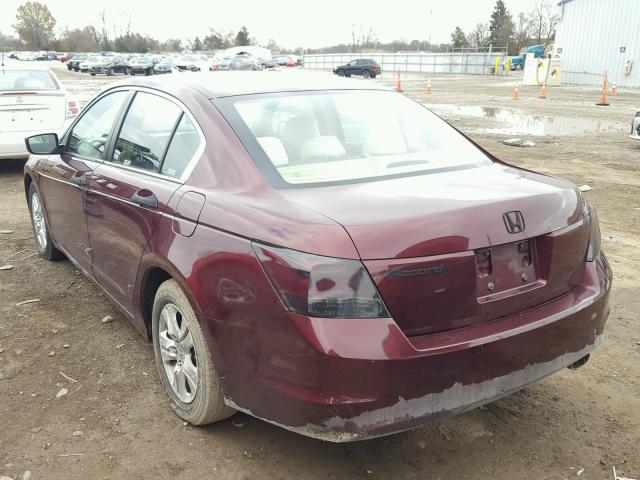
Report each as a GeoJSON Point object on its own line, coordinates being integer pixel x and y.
{"type": "Point", "coordinates": [29, 110]}
{"type": "Point", "coordinates": [440, 249]}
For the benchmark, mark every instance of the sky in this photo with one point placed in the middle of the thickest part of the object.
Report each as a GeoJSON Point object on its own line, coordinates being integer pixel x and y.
{"type": "Point", "coordinates": [291, 23]}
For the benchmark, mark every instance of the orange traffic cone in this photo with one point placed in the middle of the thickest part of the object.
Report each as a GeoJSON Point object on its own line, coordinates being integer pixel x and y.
{"type": "Point", "coordinates": [603, 96]}
{"type": "Point", "coordinates": [398, 84]}
{"type": "Point", "coordinates": [543, 91]}
{"type": "Point", "coordinates": [429, 89]}
{"type": "Point", "coordinates": [614, 90]}
{"type": "Point", "coordinates": [516, 94]}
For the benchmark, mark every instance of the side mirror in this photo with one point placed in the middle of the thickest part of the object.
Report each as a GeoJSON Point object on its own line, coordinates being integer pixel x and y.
{"type": "Point", "coordinates": [45, 144]}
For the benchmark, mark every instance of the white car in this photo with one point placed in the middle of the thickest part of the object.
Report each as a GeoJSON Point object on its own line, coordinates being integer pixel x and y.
{"type": "Point", "coordinates": [635, 127]}
{"type": "Point", "coordinates": [32, 101]}
{"type": "Point", "coordinates": [29, 56]}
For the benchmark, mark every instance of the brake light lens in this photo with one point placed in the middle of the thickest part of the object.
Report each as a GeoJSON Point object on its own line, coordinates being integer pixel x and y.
{"type": "Point", "coordinates": [595, 238]}
{"type": "Point", "coordinates": [319, 286]}
{"type": "Point", "coordinates": [72, 109]}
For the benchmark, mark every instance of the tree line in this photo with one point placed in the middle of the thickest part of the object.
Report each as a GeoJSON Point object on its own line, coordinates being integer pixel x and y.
{"type": "Point", "coordinates": [35, 26]}
{"type": "Point", "coordinates": [504, 32]}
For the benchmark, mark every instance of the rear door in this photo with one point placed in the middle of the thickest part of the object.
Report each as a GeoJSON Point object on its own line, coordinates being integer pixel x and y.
{"type": "Point", "coordinates": [129, 192]}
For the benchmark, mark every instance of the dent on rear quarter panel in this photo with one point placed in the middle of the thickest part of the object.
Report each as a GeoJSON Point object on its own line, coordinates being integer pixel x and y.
{"type": "Point", "coordinates": [220, 275]}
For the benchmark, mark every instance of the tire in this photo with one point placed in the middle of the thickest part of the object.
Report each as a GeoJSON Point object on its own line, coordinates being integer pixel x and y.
{"type": "Point", "coordinates": [148, 72]}
{"type": "Point", "coordinates": [340, 73]}
{"type": "Point", "coordinates": [373, 75]}
{"type": "Point", "coordinates": [205, 403]}
{"type": "Point", "coordinates": [518, 67]}
{"type": "Point", "coordinates": [348, 75]}
{"type": "Point", "coordinates": [93, 74]}
{"type": "Point", "coordinates": [133, 74]}
{"type": "Point", "coordinates": [40, 228]}
{"type": "Point", "coordinates": [366, 74]}
{"type": "Point", "coordinates": [110, 72]}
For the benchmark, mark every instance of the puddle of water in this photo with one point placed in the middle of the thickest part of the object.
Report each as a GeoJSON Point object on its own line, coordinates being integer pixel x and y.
{"type": "Point", "coordinates": [512, 122]}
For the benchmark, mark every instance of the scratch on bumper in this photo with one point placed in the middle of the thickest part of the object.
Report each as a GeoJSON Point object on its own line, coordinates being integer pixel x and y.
{"type": "Point", "coordinates": [407, 414]}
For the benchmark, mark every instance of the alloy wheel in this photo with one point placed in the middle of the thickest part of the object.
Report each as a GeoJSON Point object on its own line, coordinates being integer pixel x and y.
{"type": "Point", "coordinates": [178, 353]}
{"type": "Point", "coordinates": [39, 224]}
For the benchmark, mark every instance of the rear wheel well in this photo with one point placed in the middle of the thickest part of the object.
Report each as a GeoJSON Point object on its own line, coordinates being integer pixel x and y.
{"type": "Point", "coordinates": [154, 278]}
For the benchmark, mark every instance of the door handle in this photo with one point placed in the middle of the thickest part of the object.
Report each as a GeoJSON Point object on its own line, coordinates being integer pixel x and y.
{"type": "Point", "coordinates": [145, 198]}
{"type": "Point", "coordinates": [79, 179]}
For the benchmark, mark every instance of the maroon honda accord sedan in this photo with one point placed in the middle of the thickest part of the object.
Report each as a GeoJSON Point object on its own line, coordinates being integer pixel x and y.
{"type": "Point", "coordinates": [323, 254]}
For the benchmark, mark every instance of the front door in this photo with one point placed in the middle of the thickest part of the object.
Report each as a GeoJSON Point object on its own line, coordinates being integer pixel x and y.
{"type": "Point", "coordinates": [128, 194]}
{"type": "Point", "coordinates": [64, 178]}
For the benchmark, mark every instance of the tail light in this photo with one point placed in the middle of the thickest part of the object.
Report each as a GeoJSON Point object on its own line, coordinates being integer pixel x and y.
{"type": "Point", "coordinates": [319, 286]}
{"type": "Point", "coordinates": [72, 109]}
{"type": "Point", "coordinates": [595, 239]}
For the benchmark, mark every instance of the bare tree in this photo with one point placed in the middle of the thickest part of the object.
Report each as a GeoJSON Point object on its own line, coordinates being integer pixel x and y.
{"type": "Point", "coordinates": [362, 38]}
{"type": "Point", "coordinates": [479, 35]}
{"type": "Point", "coordinates": [522, 32]}
{"type": "Point", "coordinates": [104, 35]}
{"type": "Point", "coordinates": [551, 13]}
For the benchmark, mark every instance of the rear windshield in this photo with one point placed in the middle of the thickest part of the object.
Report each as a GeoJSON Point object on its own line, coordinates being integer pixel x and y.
{"type": "Point", "coordinates": [329, 137]}
{"type": "Point", "coordinates": [19, 80]}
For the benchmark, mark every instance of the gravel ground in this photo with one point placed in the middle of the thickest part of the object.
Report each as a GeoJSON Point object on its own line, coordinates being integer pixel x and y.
{"type": "Point", "coordinates": [114, 421]}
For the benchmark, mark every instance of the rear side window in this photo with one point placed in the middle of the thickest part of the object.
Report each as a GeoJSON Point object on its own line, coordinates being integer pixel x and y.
{"type": "Point", "coordinates": [89, 136]}
{"type": "Point", "coordinates": [146, 131]}
{"type": "Point", "coordinates": [184, 145]}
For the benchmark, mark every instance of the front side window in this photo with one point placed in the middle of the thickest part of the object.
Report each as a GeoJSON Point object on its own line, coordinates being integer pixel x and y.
{"type": "Point", "coordinates": [342, 136]}
{"type": "Point", "coordinates": [146, 131]}
{"type": "Point", "coordinates": [89, 136]}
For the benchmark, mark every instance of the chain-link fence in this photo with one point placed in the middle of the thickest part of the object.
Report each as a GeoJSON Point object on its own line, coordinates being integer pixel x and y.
{"type": "Point", "coordinates": [472, 63]}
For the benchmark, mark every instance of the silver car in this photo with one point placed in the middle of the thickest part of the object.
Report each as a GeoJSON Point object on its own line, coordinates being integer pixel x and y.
{"type": "Point", "coordinates": [245, 62]}
{"type": "Point", "coordinates": [635, 127]}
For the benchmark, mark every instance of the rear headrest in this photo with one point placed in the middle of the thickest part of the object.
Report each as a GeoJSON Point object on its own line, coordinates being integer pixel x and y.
{"type": "Point", "coordinates": [389, 144]}
{"type": "Point", "coordinates": [274, 149]}
{"type": "Point", "coordinates": [325, 148]}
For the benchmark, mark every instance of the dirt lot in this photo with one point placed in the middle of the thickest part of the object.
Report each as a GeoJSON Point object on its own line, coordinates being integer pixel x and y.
{"type": "Point", "coordinates": [115, 423]}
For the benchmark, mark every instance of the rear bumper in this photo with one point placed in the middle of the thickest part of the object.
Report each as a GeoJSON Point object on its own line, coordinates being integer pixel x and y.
{"type": "Point", "coordinates": [12, 143]}
{"type": "Point", "coordinates": [344, 380]}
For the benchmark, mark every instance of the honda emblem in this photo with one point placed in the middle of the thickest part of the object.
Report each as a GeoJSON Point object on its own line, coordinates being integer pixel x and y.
{"type": "Point", "coordinates": [514, 221]}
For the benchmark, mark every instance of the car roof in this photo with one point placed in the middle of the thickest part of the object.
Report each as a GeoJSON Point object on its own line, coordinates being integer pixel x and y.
{"type": "Point", "coordinates": [226, 84]}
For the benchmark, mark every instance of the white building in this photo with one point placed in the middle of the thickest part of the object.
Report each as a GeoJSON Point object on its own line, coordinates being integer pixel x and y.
{"type": "Point", "coordinates": [598, 35]}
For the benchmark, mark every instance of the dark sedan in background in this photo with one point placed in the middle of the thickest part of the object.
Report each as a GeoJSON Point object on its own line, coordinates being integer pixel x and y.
{"type": "Point", "coordinates": [366, 67]}
{"type": "Point", "coordinates": [212, 212]}
{"type": "Point", "coordinates": [142, 65]}
{"type": "Point", "coordinates": [108, 65]}
{"type": "Point", "coordinates": [76, 60]}
{"type": "Point", "coordinates": [165, 65]}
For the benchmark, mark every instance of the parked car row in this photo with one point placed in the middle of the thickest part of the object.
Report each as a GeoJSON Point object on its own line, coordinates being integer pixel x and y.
{"type": "Point", "coordinates": [31, 56]}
